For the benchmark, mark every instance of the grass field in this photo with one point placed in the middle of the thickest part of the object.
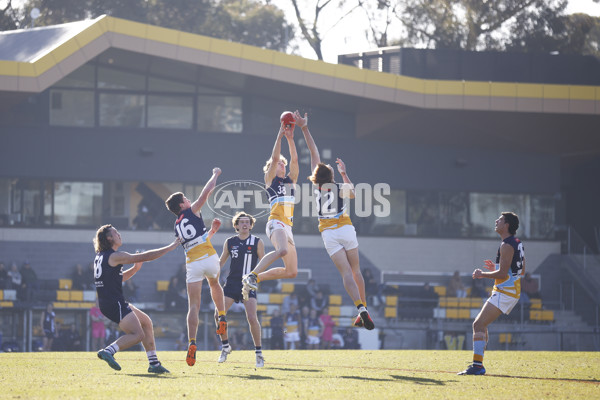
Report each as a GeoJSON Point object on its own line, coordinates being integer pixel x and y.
{"type": "Point", "coordinates": [339, 374]}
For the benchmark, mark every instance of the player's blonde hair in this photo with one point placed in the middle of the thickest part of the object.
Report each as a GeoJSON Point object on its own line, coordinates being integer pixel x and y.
{"type": "Point", "coordinates": [270, 161]}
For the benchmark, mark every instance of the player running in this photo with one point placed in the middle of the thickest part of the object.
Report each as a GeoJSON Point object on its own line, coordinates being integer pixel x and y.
{"type": "Point", "coordinates": [337, 231]}
{"type": "Point", "coordinates": [245, 250]}
{"type": "Point", "coordinates": [507, 271]}
{"type": "Point", "coordinates": [280, 186]}
{"type": "Point", "coordinates": [200, 257]}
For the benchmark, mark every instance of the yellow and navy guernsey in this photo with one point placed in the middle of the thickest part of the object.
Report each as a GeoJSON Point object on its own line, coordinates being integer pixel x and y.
{"type": "Point", "coordinates": [331, 207]}
{"type": "Point", "coordinates": [281, 199]}
{"type": "Point", "coordinates": [511, 285]}
{"type": "Point", "coordinates": [196, 244]}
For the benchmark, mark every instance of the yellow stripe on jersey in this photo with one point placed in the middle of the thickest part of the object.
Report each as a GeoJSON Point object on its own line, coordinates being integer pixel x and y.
{"type": "Point", "coordinates": [291, 327]}
{"type": "Point", "coordinates": [200, 251]}
{"type": "Point", "coordinates": [501, 286]}
{"type": "Point", "coordinates": [313, 331]}
{"type": "Point", "coordinates": [334, 223]}
{"type": "Point", "coordinates": [282, 211]}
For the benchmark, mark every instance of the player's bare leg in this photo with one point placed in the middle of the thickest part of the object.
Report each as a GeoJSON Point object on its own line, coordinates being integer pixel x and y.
{"type": "Point", "coordinates": [255, 330]}
{"type": "Point", "coordinates": [194, 296]}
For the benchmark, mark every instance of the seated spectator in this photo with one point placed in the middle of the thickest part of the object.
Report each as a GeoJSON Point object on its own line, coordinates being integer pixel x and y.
{"type": "Point", "coordinates": [29, 284]}
{"type": "Point", "coordinates": [287, 301]}
{"type": "Point", "coordinates": [319, 302]}
{"type": "Point", "coordinates": [144, 220]}
{"type": "Point", "coordinates": [351, 339]}
{"type": "Point", "coordinates": [327, 327]}
{"type": "Point", "coordinates": [530, 289]}
{"type": "Point", "coordinates": [292, 326]}
{"type": "Point", "coordinates": [276, 341]}
{"type": "Point", "coordinates": [429, 295]}
{"type": "Point", "coordinates": [478, 288]}
{"type": "Point", "coordinates": [176, 297]}
{"type": "Point", "coordinates": [312, 288]}
{"type": "Point", "coordinates": [455, 286]}
{"type": "Point", "coordinates": [78, 278]}
{"type": "Point", "coordinates": [15, 277]}
{"type": "Point", "coordinates": [130, 291]}
{"type": "Point", "coordinates": [3, 276]}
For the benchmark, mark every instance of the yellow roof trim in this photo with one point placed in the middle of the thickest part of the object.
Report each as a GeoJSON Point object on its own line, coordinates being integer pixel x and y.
{"type": "Point", "coordinates": [107, 24]}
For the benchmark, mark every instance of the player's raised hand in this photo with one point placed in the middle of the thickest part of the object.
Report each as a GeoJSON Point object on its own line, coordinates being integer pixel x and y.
{"type": "Point", "coordinates": [340, 166]}
{"type": "Point", "coordinates": [300, 121]}
{"type": "Point", "coordinates": [216, 171]}
{"type": "Point", "coordinates": [489, 265]}
{"type": "Point", "coordinates": [477, 274]}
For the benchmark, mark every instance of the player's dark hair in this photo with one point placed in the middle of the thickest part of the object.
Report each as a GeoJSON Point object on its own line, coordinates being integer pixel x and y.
{"type": "Point", "coordinates": [240, 214]}
{"type": "Point", "coordinates": [513, 221]}
{"type": "Point", "coordinates": [321, 174]}
{"type": "Point", "coordinates": [101, 242]}
{"type": "Point", "coordinates": [173, 203]}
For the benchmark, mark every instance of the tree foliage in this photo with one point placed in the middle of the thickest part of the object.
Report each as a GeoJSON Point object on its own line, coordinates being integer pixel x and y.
{"type": "Point", "coordinates": [244, 21]}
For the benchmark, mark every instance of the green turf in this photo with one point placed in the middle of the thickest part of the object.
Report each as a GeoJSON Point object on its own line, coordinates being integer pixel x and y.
{"type": "Point", "coordinates": [340, 374]}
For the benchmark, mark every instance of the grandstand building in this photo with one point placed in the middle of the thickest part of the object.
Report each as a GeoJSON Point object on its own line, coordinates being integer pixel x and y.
{"type": "Point", "coordinates": [100, 120]}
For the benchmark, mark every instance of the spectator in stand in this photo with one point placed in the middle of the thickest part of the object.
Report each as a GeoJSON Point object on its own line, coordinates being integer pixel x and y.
{"type": "Point", "coordinates": [3, 276]}
{"type": "Point", "coordinates": [130, 291]}
{"type": "Point", "coordinates": [288, 301]}
{"type": "Point", "coordinates": [303, 299]}
{"type": "Point", "coordinates": [351, 339]}
{"type": "Point", "coordinates": [312, 288]}
{"type": "Point", "coordinates": [530, 289]}
{"type": "Point", "coordinates": [319, 302]}
{"type": "Point", "coordinates": [15, 277]}
{"type": "Point", "coordinates": [78, 278]}
{"type": "Point", "coordinates": [276, 330]}
{"type": "Point", "coordinates": [72, 339]}
{"type": "Point", "coordinates": [176, 297]}
{"type": "Point", "coordinates": [292, 326]}
{"type": "Point", "coordinates": [455, 286]}
{"type": "Point", "coordinates": [30, 283]}
{"type": "Point", "coordinates": [327, 326]}
{"type": "Point", "coordinates": [304, 326]}
{"type": "Point", "coordinates": [313, 330]}
{"type": "Point", "coordinates": [478, 288]}
{"type": "Point", "coordinates": [47, 321]}
{"type": "Point", "coordinates": [98, 329]}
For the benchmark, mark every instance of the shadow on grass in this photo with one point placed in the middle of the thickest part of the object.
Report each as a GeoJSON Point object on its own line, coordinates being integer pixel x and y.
{"type": "Point", "coordinates": [270, 368]}
{"type": "Point", "coordinates": [417, 380]}
{"type": "Point", "coordinates": [597, 381]}
{"type": "Point", "coordinates": [154, 376]}
{"type": "Point", "coordinates": [420, 381]}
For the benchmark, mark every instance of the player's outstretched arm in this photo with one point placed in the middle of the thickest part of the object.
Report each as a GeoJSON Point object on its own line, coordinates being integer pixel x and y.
{"type": "Point", "coordinates": [294, 168]}
{"type": "Point", "coordinates": [206, 191]}
{"type": "Point", "coordinates": [347, 187]}
{"type": "Point", "coordinates": [122, 257]}
{"type": "Point", "coordinates": [224, 254]}
{"type": "Point", "coordinates": [214, 227]}
{"type": "Point", "coordinates": [302, 123]}
{"type": "Point", "coordinates": [275, 154]}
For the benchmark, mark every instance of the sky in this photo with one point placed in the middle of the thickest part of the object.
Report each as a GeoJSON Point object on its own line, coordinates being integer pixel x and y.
{"type": "Point", "coordinates": [349, 35]}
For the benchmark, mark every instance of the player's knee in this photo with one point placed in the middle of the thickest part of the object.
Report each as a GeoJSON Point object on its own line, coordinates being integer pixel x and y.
{"type": "Point", "coordinates": [281, 252]}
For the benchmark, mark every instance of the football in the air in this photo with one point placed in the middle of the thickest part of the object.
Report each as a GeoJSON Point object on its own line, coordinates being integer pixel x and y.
{"type": "Point", "coordinates": [287, 117]}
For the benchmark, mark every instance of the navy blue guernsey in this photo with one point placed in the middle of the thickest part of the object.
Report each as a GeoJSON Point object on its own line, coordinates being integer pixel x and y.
{"type": "Point", "coordinates": [244, 256]}
{"type": "Point", "coordinates": [108, 280]}
{"type": "Point", "coordinates": [282, 200]}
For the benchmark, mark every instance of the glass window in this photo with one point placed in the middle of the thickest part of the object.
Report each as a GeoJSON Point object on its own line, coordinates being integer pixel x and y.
{"type": "Point", "coordinates": [122, 110]}
{"type": "Point", "coordinates": [27, 202]}
{"type": "Point", "coordinates": [423, 213]}
{"type": "Point", "coordinates": [80, 78]}
{"type": "Point", "coordinates": [219, 114]}
{"type": "Point", "coordinates": [393, 224]}
{"type": "Point", "coordinates": [72, 107]}
{"type": "Point", "coordinates": [77, 203]}
{"type": "Point", "coordinates": [170, 112]}
{"type": "Point", "coordinates": [542, 217]}
{"type": "Point", "coordinates": [109, 78]}
{"type": "Point", "coordinates": [165, 85]}
{"type": "Point", "coordinates": [454, 214]}
{"type": "Point", "coordinates": [485, 208]}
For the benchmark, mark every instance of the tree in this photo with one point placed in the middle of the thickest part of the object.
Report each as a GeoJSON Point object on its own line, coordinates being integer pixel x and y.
{"type": "Point", "coordinates": [244, 21]}
{"type": "Point", "coordinates": [11, 17]}
{"type": "Point", "coordinates": [473, 24]}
